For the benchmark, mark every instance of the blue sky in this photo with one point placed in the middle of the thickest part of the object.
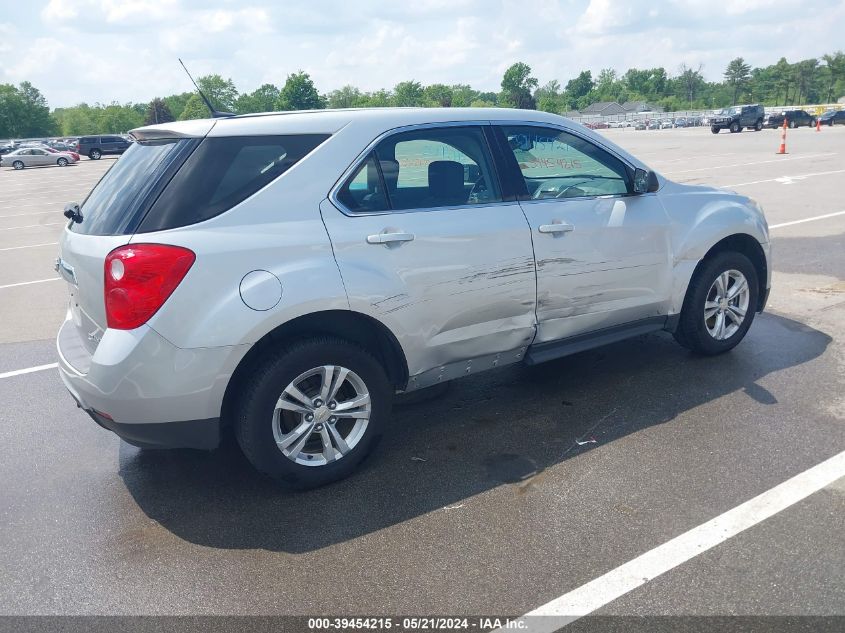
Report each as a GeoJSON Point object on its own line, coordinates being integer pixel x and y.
{"type": "Point", "coordinates": [126, 50]}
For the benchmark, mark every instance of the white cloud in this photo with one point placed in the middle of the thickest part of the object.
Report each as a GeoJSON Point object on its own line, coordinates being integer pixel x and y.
{"type": "Point", "coordinates": [104, 50]}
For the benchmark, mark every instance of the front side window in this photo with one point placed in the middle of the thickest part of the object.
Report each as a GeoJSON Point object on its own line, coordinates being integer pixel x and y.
{"type": "Point", "coordinates": [556, 164]}
{"type": "Point", "coordinates": [424, 169]}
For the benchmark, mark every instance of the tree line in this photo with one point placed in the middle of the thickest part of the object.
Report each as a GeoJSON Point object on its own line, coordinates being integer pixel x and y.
{"type": "Point", "coordinates": [24, 111]}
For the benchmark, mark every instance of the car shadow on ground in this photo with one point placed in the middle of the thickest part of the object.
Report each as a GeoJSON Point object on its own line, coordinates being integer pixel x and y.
{"type": "Point", "coordinates": [500, 428]}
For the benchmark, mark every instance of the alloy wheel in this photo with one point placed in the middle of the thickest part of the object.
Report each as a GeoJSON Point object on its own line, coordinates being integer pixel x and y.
{"type": "Point", "coordinates": [321, 415]}
{"type": "Point", "coordinates": [726, 304]}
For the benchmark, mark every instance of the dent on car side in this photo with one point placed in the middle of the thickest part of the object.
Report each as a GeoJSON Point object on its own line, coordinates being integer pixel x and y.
{"type": "Point", "coordinates": [467, 286]}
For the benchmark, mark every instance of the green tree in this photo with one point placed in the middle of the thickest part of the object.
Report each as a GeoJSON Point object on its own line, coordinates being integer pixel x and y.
{"type": "Point", "coordinates": [378, 99]}
{"type": "Point", "coordinates": [221, 92]}
{"type": "Point", "coordinates": [462, 95]}
{"type": "Point", "coordinates": [517, 87]}
{"type": "Point", "coordinates": [691, 81]}
{"type": "Point", "coordinates": [580, 86]}
{"type": "Point", "coordinates": [195, 108]}
{"type": "Point", "coordinates": [177, 102]}
{"type": "Point", "coordinates": [408, 94]}
{"type": "Point", "coordinates": [158, 112]}
{"type": "Point", "coordinates": [438, 95]}
{"type": "Point", "coordinates": [262, 99]}
{"type": "Point", "coordinates": [345, 97]}
{"type": "Point", "coordinates": [299, 93]}
{"type": "Point", "coordinates": [835, 64]}
{"type": "Point", "coordinates": [548, 97]}
{"type": "Point", "coordinates": [34, 117]}
{"type": "Point", "coordinates": [737, 76]}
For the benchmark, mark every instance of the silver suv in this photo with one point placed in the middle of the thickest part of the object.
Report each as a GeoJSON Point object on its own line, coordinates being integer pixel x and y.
{"type": "Point", "coordinates": [286, 274]}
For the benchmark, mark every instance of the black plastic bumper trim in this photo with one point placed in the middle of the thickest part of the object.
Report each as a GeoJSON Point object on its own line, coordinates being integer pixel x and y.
{"type": "Point", "coordinates": [202, 434]}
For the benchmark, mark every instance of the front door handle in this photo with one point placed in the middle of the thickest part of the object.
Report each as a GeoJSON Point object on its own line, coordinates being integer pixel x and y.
{"type": "Point", "coordinates": [556, 227]}
{"type": "Point", "coordinates": [387, 238]}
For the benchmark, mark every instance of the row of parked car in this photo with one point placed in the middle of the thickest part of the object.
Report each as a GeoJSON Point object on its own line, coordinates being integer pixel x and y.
{"type": "Point", "coordinates": [61, 152]}
{"type": "Point", "coordinates": [735, 119]}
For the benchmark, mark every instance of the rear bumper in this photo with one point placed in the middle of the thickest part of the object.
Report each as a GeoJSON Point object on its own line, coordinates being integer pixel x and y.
{"type": "Point", "coordinates": [146, 390]}
{"type": "Point", "coordinates": [203, 434]}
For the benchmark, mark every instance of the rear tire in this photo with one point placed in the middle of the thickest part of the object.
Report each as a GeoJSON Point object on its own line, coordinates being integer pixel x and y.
{"type": "Point", "coordinates": [270, 420]}
{"type": "Point", "coordinates": [758, 126]}
{"type": "Point", "coordinates": [95, 154]}
{"type": "Point", "coordinates": [708, 323]}
{"type": "Point", "coordinates": [735, 128]}
{"type": "Point", "coordinates": [18, 164]}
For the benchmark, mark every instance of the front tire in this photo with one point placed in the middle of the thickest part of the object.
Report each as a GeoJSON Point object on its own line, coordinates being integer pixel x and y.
{"type": "Point", "coordinates": [312, 412]}
{"type": "Point", "coordinates": [715, 130]}
{"type": "Point", "coordinates": [720, 304]}
{"type": "Point", "coordinates": [62, 162]}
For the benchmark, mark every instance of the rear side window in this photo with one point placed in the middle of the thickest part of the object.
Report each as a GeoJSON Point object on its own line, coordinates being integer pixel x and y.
{"type": "Point", "coordinates": [119, 200]}
{"type": "Point", "coordinates": [222, 172]}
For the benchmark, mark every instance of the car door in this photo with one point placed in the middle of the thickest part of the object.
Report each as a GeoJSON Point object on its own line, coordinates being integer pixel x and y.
{"type": "Point", "coordinates": [42, 157]}
{"type": "Point", "coordinates": [602, 254]}
{"type": "Point", "coordinates": [427, 246]}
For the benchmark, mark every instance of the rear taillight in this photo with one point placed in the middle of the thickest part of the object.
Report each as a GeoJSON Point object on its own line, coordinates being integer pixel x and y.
{"type": "Point", "coordinates": [138, 280]}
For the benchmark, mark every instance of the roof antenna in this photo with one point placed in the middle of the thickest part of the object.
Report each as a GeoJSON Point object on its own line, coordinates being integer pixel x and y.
{"type": "Point", "coordinates": [216, 114]}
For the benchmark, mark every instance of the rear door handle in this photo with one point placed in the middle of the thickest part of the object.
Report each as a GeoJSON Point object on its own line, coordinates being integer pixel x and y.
{"type": "Point", "coordinates": [387, 238]}
{"type": "Point", "coordinates": [556, 227]}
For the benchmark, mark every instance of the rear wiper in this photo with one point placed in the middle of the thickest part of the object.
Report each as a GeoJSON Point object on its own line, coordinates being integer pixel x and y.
{"type": "Point", "coordinates": [73, 213]}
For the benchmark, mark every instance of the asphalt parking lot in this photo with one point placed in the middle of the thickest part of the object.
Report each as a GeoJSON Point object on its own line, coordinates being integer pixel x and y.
{"type": "Point", "coordinates": [510, 490]}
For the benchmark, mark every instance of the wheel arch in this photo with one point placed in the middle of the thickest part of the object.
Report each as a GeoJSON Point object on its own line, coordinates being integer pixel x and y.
{"type": "Point", "coordinates": [748, 246]}
{"type": "Point", "coordinates": [346, 324]}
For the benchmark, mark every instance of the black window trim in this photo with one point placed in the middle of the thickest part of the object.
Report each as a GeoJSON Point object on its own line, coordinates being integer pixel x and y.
{"type": "Point", "coordinates": [370, 149]}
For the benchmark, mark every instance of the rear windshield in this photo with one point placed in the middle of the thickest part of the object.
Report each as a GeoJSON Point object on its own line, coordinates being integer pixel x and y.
{"type": "Point", "coordinates": [167, 184]}
{"type": "Point", "coordinates": [222, 172]}
{"type": "Point", "coordinates": [117, 203]}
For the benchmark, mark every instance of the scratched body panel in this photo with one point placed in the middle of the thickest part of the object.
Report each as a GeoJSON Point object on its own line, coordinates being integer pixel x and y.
{"type": "Point", "coordinates": [463, 288]}
{"type": "Point", "coordinates": [613, 267]}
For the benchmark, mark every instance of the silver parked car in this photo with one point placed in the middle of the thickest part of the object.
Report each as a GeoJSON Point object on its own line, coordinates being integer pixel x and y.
{"type": "Point", "coordinates": [286, 274]}
{"type": "Point", "coordinates": [35, 157]}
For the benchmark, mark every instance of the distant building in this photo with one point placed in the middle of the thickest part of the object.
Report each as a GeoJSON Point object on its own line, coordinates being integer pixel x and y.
{"type": "Point", "coordinates": [604, 108]}
{"type": "Point", "coordinates": [640, 106]}
{"type": "Point", "coordinates": [572, 114]}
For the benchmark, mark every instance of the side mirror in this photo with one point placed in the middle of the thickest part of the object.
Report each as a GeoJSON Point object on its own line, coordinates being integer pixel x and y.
{"type": "Point", "coordinates": [645, 181]}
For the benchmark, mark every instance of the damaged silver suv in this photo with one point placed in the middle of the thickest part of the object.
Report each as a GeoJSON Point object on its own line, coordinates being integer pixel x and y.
{"type": "Point", "coordinates": [286, 274]}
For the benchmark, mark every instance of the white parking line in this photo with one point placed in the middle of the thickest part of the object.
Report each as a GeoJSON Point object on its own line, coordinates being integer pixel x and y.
{"type": "Point", "coordinates": [616, 583]}
{"type": "Point", "coordinates": [27, 283]}
{"type": "Point", "coordinates": [30, 226]}
{"type": "Point", "coordinates": [783, 179]}
{"type": "Point", "coordinates": [17, 248]}
{"type": "Point", "coordinates": [762, 162]}
{"type": "Point", "coordinates": [813, 219]}
{"type": "Point", "coordinates": [20, 215]}
{"type": "Point", "coordinates": [28, 370]}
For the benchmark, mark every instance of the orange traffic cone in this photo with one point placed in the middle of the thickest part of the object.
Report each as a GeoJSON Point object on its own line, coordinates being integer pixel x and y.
{"type": "Point", "coordinates": [818, 125]}
{"type": "Point", "coordinates": [782, 149]}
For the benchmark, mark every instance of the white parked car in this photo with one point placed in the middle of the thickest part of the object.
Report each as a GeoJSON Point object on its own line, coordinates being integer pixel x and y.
{"type": "Point", "coordinates": [35, 157]}
{"type": "Point", "coordinates": [286, 274]}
